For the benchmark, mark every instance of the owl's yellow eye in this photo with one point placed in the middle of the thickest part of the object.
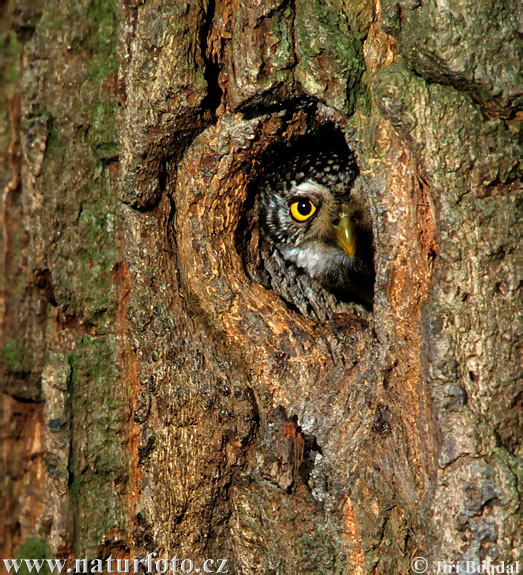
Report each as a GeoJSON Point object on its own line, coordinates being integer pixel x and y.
{"type": "Point", "coordinates": [302, 210]}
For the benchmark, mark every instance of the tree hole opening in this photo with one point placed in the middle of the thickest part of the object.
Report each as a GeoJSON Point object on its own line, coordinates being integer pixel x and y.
{"type": "Point", "coordinates": [306, 233]}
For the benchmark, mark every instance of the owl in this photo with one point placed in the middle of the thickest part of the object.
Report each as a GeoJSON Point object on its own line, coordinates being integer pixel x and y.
{"type": "Point", "coordinates": [308, 214]}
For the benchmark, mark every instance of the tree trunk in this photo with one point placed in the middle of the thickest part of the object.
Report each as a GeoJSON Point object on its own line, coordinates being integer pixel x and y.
{"type": "Point", "coordinates": [158, 395]}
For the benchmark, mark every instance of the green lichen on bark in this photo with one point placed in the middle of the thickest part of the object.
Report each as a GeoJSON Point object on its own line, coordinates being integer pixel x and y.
{"type": "Point", "coordinates": [329, 54]}
{"type": "Point", "coordinates": [280, 27]}
{"type": "Point", "coordinates": [19, 360]}
{"type": "Point", "coordinates": [473, 46]}
{"type": "Point", "coordinates": [69, 143]}
{"type": "Point", "coordinates": [447, 129]}
{"type": "Point", "coordinates": [98, 466]}
{"type": "Point", "coordinates": [76, 235]}
{"type": "Point", "coordinates": [471, 163]}
{"type": "Point", "coordinates": [303, 49]}
{"type": "Point", "coordinates": [261, 75]}
{"type": "Point", "coordinates": [13, 356]}
{"type": "Point", "coordinates": [10, 52]}
{"type": "Point", "coordinates": [33, 548]}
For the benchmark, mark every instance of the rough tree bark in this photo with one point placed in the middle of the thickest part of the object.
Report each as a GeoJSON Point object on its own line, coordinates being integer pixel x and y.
{"type": "Point", "coordinates": [158, 398]}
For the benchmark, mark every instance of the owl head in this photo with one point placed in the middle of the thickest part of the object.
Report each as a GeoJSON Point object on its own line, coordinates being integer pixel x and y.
{"type": "Point", "coordinates": [308, 213]}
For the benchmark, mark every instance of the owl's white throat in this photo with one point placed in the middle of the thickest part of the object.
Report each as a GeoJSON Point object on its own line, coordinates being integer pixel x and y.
{"type": "Point", "coordinates": [316, 258]}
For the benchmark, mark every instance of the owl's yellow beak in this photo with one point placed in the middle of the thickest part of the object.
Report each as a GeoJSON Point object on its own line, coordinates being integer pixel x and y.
{"type": "Point", "coordinates": [346, 235]}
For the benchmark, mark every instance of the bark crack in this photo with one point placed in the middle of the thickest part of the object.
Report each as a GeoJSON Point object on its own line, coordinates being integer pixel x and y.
{"type": "Point", "coordinates": [212, 68]}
